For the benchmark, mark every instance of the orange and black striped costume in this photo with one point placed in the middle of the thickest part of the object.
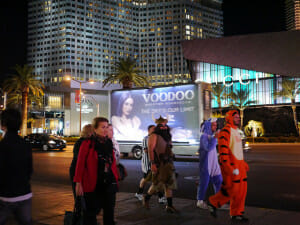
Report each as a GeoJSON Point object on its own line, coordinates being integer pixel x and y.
{"type": "Point", "coordinates": [234, 187]}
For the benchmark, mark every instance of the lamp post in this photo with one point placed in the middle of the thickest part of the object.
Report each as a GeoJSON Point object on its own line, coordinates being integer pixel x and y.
{"type": "Point", "coordinates": [80, 93]}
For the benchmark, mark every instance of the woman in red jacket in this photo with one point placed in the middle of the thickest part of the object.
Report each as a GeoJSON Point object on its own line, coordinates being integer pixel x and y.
{"type": "Point", "coordinates": [96, 175]}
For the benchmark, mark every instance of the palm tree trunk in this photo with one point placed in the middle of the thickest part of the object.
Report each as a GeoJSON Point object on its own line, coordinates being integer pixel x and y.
{"type": "Point", "coordinates": [220, 108]}
{"type": "Point", "coordinates": [295, 117]}
{"type": "Point", "coordinates": [24, 113]}
{"type": "Point", "coordinates": [242, 118]}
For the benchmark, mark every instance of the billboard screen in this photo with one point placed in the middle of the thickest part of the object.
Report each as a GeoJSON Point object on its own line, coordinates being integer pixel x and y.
{"type": "Point", "coordinates": [132, 111]}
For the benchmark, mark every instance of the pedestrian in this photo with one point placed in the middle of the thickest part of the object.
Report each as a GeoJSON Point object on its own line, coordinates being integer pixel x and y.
{"type": "Point", "coordinates": [87, 132]}
{"type": "Point", "coordinates": [208, 161]}
{"type": "Point", "coordinates": [116, 147]}
{"type": "Point", "coordinates": [162, 168]}
{"type": "Point", "coordinates": [96, 175]}
{"type": "Point", "coordinates": [15, 171]}
{"type": "Point", "coordinates": [146, 169]}
{"type": "Point", "coordinates": [234, 170]}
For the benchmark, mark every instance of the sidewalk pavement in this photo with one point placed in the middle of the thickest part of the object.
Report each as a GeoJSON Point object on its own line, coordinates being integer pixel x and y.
{"type": "Point", "coordinates": [50, 204]}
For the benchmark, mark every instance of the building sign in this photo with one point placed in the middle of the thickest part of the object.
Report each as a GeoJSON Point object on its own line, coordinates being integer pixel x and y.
{"type": "Point", "coordinates": [133, 111]}
{"type": "Point", "coordinates": [86, 106]}
{"type": "Point", "coordinates": [77, 96]}
{"type": "Point", "coordinates": [241, 79]}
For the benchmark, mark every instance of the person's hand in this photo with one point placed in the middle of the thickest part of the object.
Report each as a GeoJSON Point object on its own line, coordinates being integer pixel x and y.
{"type": "Point", "coordinates": [153, 168]}
{"type": "Point", "coordinates": [236, 172]}
{"type": "Point", "coordinates": [79, 189]}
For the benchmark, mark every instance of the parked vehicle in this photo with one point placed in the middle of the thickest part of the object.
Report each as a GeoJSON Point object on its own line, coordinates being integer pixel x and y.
{"type": "Point", "coordinates": [45, 141]}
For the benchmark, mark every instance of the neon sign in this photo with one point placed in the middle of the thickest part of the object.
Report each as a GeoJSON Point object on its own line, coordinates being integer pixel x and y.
{"type": "Point", "coordinates": [241, 76]}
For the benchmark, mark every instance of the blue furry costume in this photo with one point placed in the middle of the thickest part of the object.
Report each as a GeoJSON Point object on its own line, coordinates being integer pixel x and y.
{"type": "Point", "coordinates": [208, 161]}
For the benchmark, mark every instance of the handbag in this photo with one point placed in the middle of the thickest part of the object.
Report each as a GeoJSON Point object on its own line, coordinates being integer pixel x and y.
{"type": "Point", "coordinates": [75, 217]}
{"type": "Point", "coordinates": [122, 172]}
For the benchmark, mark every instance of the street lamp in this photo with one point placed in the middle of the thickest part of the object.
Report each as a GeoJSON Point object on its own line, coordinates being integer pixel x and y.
{"type": "Point", "coordinates": [80, 93]}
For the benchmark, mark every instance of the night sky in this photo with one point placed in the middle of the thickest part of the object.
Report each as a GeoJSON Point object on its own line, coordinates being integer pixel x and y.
{"type": "Point", "coordinates": [240, 17]}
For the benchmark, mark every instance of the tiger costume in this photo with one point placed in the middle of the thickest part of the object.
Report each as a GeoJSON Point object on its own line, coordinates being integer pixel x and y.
{"type": "Point", "coordinates": [234, 170]}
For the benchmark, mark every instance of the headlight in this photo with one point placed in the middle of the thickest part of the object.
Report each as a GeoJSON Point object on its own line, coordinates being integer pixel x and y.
{"type": "Point", "coordinates": [247, 144]}
{"type": "Point", "coordinates": [51, 142]}
{"type": "Point", "coordinates": [64, 141]}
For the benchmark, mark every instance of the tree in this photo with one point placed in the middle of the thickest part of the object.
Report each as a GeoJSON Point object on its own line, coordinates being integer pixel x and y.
{"type": "Point", "coordinates": [126, 73]}
{"type": "Point", "coordinates": [240, 101]}
{"type": "Point", "coordinates": [22, 83]}
{"type": "Point", "coordinates": [34, 101]}
{"type": "Point", "coordinates": [290, 89]}
{"type": "Point", "coordinates": [219, 94]}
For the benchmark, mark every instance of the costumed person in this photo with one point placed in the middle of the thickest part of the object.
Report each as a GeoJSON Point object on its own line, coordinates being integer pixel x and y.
{"type": "Point", "coordinates": [146, 169]}
{"type": "Point", "coordinates": [208, 161]}
{"type": "Point", "coordinates": [162, 168]}
{"type": "Point", "coordinates": [234, 170]}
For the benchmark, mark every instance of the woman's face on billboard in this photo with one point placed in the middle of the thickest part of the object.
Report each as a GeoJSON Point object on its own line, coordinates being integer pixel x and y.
{"type": "Point", "coordinates": [127, 106]}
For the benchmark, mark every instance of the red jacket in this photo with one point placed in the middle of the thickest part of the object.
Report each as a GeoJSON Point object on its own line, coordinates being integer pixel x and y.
{"type": "Point", "coordinates": [87, 166]}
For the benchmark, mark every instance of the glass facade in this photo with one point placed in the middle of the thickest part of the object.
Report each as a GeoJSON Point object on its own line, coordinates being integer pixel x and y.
{"type": "Point", "coordinates": [84, 38]}
{"type": "Point", "coordinates": [261, 85]}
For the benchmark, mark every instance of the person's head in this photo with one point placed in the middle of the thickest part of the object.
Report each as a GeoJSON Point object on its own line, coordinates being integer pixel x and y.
{"type": "Point", "coordinates": [110, 131]}
{"type": "Point", "coordinates": [209, 126]}
{"type": "Point", "coordinates": [125, 105]}
{"type": "Point", "coordinates": [233, 118]}
{"type": "Point", "coordinates": [87, 131]}
{"type": "Point", "coordinates": [100, 125]}
{"type": "Point", "coordinates": [214, 126]}
{"type": "Point", "coordinates": [162, 128]}
{"type": "Point", "coordinates": [11, 120]}
{"type": "Point", "coordinates": [151, 129]}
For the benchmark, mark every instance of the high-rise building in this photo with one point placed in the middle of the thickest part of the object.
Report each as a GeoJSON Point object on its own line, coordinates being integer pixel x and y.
{"type": "Point", "coordinates": [84, 38]}
{"type": "Point", "coordinates": [292, 14]}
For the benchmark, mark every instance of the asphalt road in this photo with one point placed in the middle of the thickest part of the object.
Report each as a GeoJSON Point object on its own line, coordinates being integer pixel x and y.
{"type": "Point", "coordinates": [273, 179]}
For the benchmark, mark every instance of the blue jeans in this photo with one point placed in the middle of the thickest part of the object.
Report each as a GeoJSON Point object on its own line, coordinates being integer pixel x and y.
{"type": "Point", "coordinates": [21, 211]}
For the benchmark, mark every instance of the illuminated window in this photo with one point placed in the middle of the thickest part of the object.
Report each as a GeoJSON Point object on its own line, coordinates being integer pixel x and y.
{"type": "Point", "coordinates": [54, 101]}
{"type": "Point", "coordinates": [175, 27]}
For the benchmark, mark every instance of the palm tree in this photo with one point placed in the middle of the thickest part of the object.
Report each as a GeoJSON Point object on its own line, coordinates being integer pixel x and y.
{"type": "Point", "coordinates": [219, 94]}
{"type": "Point", "coordinates": [126, 73]}
{"type": "Point", "coordinates": [290, 89]}
{"type": "Point", "coordinates": [22, 83]}
{"type": "Point", "coordinates": [34, 101]}
{"type": "Point", "coordinates": [240, 101]}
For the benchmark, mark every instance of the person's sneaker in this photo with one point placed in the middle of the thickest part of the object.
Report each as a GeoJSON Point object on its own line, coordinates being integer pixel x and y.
{"type": "Point", "coordinates": [171, 209]}
{"type": "Point", "coordinates": [212, 210]}
{"type": "Point", "coordinates": [202, 204]}
{"type": "Point", "coordinates": [162, 200]}
{"type": "Point", "coordinates": [239, 218]}
{"type": "Point", "coordinates": [139, 196]}
{"type": "Point", "coordinates": [225, 207]}
{"type": "Point", "coordinates": [146, 203]}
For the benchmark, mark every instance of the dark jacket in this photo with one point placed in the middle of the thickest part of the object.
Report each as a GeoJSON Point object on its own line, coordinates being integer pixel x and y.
{"type": "Point", "coordinates": [75, 157]}
{"type": "Point", "coordinates": [15, 166]}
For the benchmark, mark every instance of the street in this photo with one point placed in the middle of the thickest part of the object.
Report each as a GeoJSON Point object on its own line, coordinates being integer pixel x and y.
{"type": "Point", "coordinates": [273, 179]}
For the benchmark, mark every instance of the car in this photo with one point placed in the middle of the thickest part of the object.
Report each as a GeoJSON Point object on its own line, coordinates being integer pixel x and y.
{"type": "Point", "coordinates": [45, 141]}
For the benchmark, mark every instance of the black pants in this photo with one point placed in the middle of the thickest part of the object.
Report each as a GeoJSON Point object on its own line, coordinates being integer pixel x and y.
{"type": "Point", "coordinates": [97, 200]}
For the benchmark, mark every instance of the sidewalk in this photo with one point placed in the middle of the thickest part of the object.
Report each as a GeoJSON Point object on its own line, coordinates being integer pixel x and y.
{"type": "Point", "coordinates": [50, 203]}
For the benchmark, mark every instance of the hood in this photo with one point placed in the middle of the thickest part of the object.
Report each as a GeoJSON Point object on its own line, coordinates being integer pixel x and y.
{"type": "Point", "coordinates": [206, 127]}
{"type": "Point", "coordinates": [229, 117]}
